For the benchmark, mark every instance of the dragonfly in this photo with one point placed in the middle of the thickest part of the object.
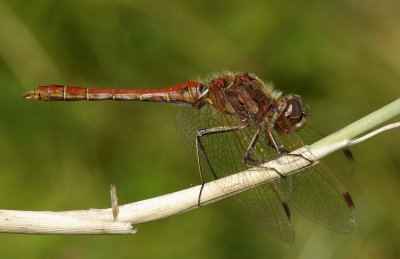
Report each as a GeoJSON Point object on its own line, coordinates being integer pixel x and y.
{"type": "Point", "coordinates": [235, 121]}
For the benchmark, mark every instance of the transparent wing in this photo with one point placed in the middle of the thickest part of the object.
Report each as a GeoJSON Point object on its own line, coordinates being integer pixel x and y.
{"type": "Point", "coordinates": [225, 152]}
{"type": "Point", "coordinates": [316, 191]}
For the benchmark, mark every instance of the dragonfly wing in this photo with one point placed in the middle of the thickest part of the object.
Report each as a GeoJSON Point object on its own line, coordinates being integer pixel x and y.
{"type": "Point", "coordinates": [318, 193]}
{"type": "Point", "coordinates": [225, 152]}
{"type": "Point", "coordinates": [269, 208]}
{"type": "Point", "coordinates": [342, 161]}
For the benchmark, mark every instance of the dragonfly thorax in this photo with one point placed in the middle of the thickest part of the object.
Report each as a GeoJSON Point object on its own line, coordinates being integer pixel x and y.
{"type": "Point", "coordinates": [246, 96]}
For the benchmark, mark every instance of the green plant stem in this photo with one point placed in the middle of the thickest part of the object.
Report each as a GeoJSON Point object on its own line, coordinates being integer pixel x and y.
{"type": "Point", "coordinates": [361, 126]}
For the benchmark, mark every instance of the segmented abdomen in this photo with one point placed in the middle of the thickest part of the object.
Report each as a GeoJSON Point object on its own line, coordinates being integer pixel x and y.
{"type": "Point", "coordinates": [185, 93]}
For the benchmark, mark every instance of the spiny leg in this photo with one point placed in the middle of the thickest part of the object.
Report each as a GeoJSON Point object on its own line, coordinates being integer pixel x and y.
{"type": "Point", "coordinates": [273, 143]}
{"type": "Point", "coordinates": [200, 148]}
{"type": "Point", "coordinates": [247, 159]}
{"type": "Point", "coordinates": [250, 161]}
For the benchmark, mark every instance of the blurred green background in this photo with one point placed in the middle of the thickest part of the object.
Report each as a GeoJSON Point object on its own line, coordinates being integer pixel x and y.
{"type": "Point", "coordinates": [343, 57]}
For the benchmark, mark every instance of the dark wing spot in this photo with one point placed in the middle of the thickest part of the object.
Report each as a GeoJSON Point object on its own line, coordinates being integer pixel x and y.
{"type": "Point", "coordinates": [287, 210]}
{"type": "Point", "coordinates": [348, 200]}
{"type": "Point", "coordinates": [348, 154]}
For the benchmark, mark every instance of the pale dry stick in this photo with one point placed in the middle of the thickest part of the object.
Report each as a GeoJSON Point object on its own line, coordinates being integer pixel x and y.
{"type": "Point", "coordinates": [101, 221]}
{"type": "Point", "coordinates": [114, 202]}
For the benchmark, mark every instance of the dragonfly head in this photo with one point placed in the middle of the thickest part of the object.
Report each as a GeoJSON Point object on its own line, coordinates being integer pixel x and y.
{"type": "Point", "coordinates": [292, 115]}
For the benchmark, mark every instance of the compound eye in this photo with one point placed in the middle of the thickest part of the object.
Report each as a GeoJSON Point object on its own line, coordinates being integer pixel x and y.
{"type": "Point", "coordinates": [292, 115]}
{"type": "Point", "coordinates": [294, 109]}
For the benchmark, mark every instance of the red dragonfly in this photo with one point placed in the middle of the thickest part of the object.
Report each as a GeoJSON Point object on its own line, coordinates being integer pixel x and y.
{"type": "Point", "coordinates": [236, 121]}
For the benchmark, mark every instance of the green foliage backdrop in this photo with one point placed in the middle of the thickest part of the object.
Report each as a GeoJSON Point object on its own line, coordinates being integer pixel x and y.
{"type": "Point", "coordinates": [342, 56]}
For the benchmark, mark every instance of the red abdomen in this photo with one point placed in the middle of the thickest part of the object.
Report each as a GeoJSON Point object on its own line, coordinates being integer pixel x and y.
{"type": "Point", "coordinates": [183, 93]}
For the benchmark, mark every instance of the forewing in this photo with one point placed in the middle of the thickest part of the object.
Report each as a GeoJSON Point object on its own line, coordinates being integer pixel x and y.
{"type": "Point", "coordinates": [225, 152]}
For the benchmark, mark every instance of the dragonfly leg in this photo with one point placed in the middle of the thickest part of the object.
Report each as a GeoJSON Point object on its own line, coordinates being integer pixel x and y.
{"type": "Point", "coordinates": [201, 150]}
{"type": "Point", "coordinates": [247, 159]}
{"type": "Point", "coordinates": [281, 149]}
{"type": "Point", "coordinates": [274, 144]}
